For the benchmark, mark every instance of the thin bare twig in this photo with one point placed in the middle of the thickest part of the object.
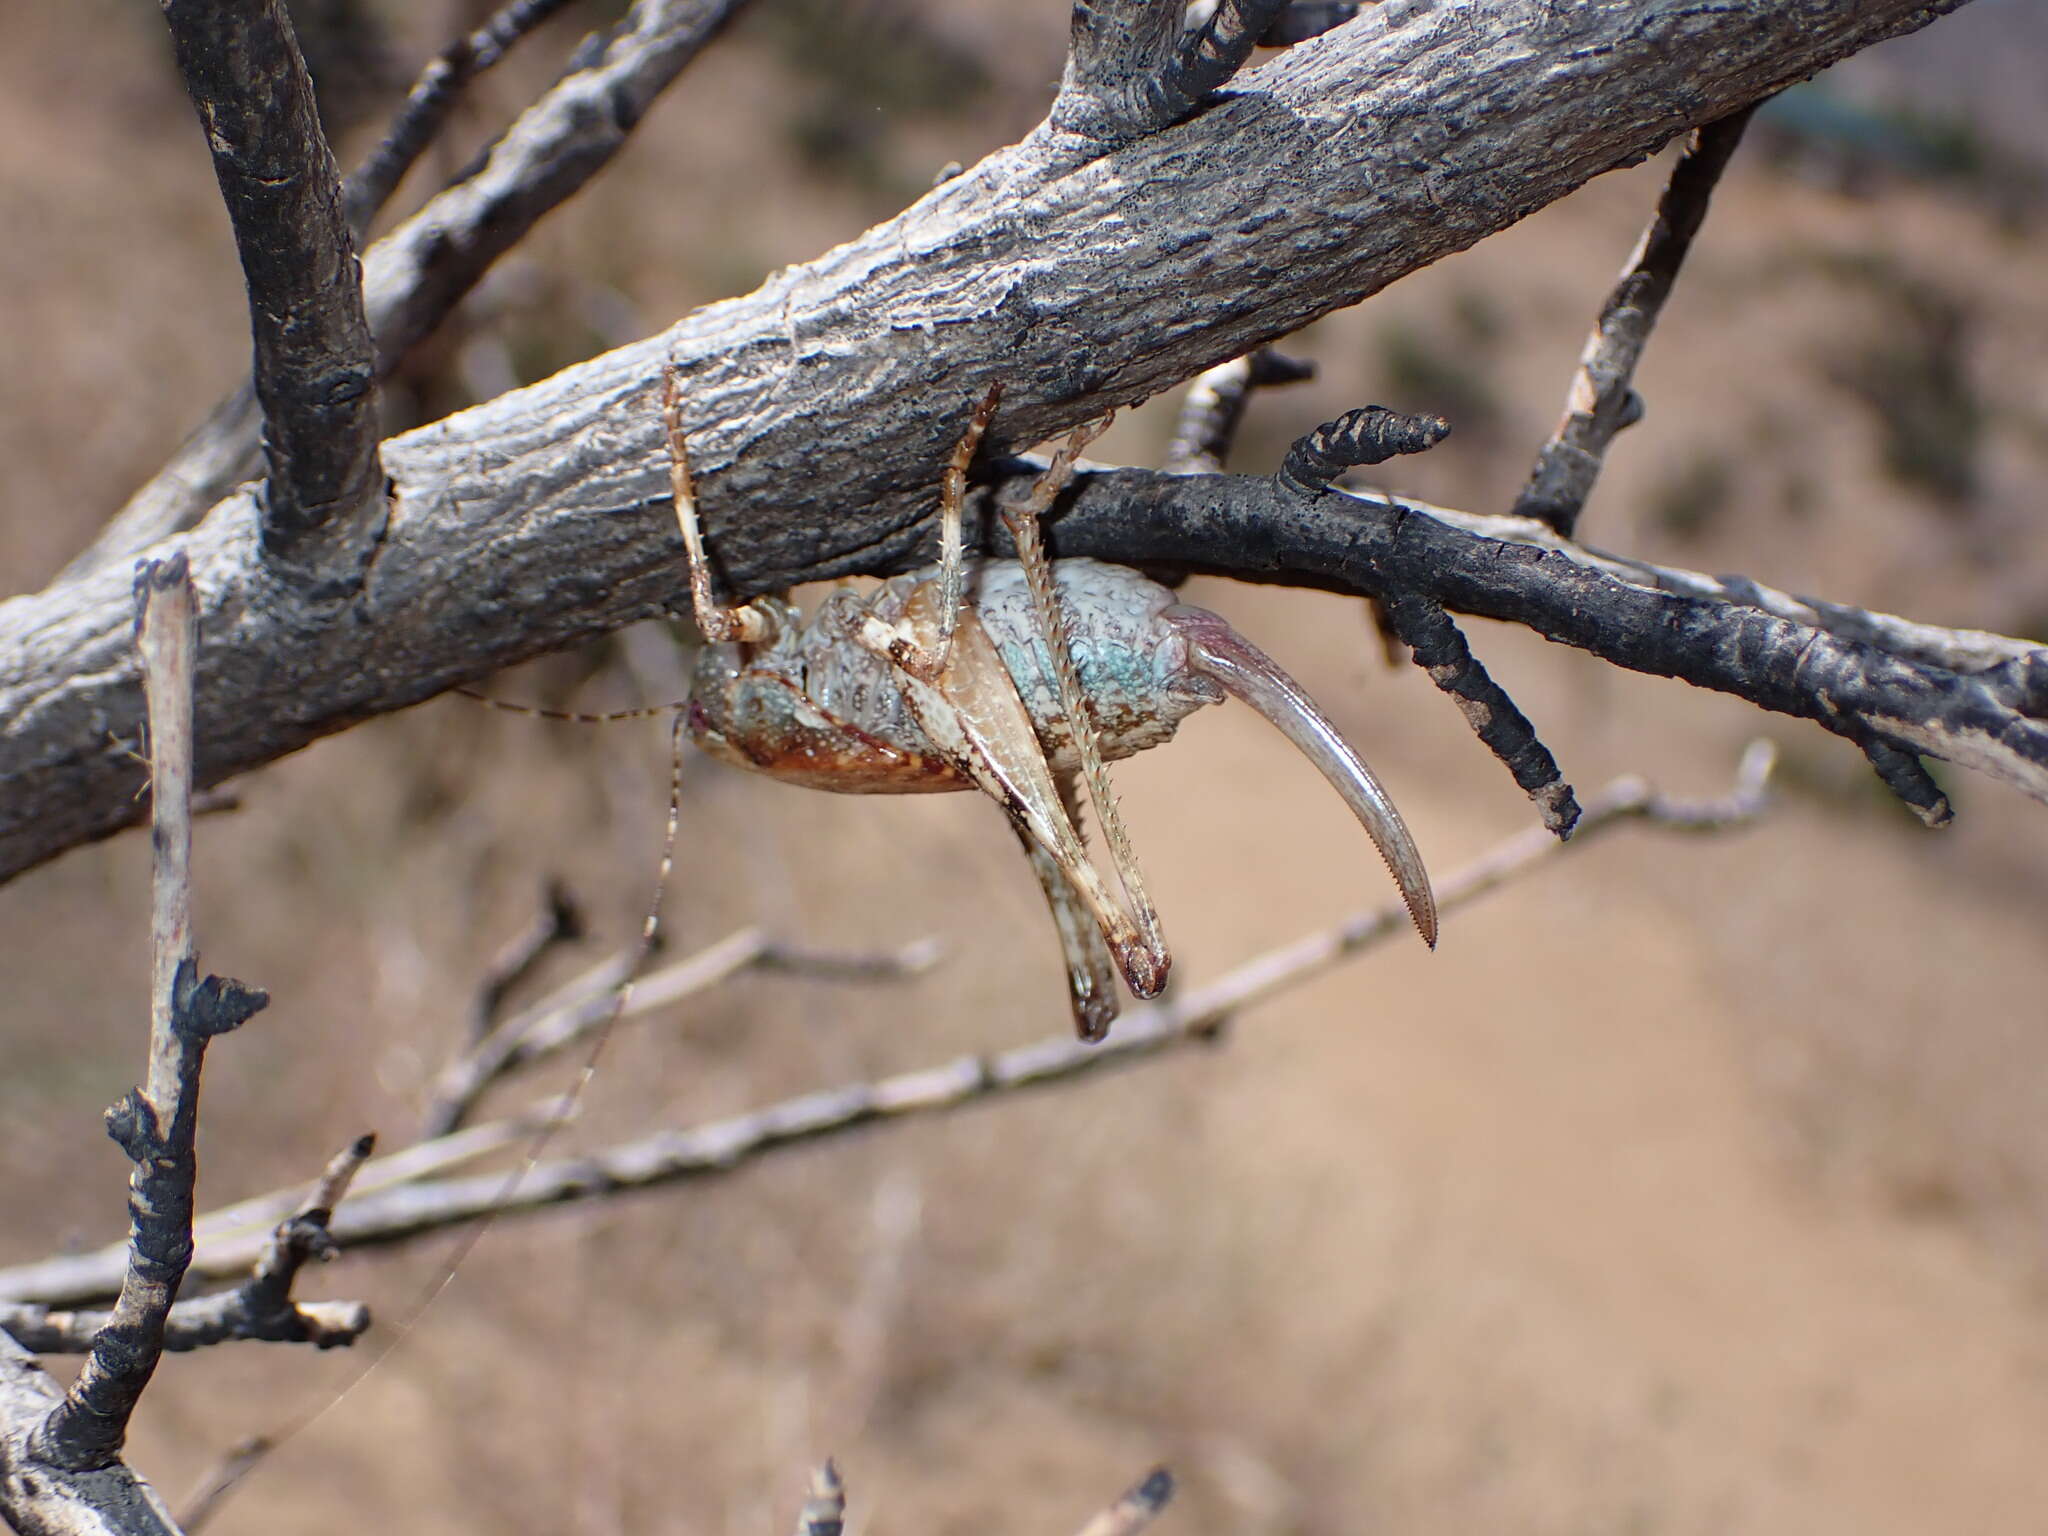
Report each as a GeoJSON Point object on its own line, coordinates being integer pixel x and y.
{"type": "Point", "coordinates": [193, 1324]}
{"type": "Point", "coordinates": [157, 1126]}
{"type": "Point", "coordinates": [1192, 1019]}
{"type": "Point", "coordinates": [559, 921]}
{"type": "Point", "coordinates": [1215, 404]}
{"type": "Point", "coordinates": [429, 103]}
{"type": "Point", "coordinates": [1601, 402]}
{"type": "Point", "coordinates": [590, 1003]}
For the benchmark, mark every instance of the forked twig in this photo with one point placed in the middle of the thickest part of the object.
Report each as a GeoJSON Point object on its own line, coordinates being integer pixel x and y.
{"type": "Point", "coordinates": [261, 1309]}
{"type": "Point", "coordinates": [559, 922]}
{"type": "Point", "coordinates": [413, 278]}
{"type": "Point", "coordinates": [61, 1453]}
{"type": "Point", "coordinates": [158, 1125]}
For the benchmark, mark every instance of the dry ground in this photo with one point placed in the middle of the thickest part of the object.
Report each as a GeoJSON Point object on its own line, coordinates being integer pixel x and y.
{"type": "Point", "coordinates": [1691, 1186]}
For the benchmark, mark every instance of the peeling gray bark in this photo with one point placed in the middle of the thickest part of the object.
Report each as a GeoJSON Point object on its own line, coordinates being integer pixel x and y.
{"type": "Point", "coordinates": [822, 405]}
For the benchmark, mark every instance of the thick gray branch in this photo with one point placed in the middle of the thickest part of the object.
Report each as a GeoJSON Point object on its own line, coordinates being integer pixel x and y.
{"type": "Point", "coordinates": [821, 406]}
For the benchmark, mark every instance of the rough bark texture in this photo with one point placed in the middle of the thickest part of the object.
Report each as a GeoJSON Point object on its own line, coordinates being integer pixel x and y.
{"type": "Point", "coordinates": [1079, 279]}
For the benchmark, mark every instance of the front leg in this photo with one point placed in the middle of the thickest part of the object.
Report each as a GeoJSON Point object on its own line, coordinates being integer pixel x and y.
{"type": "Point", "coordinates": [899, 643]}
{"type": "Point", "coordinates": [718, 622]}
{"type": "Point", "coordinates": [975, 716]}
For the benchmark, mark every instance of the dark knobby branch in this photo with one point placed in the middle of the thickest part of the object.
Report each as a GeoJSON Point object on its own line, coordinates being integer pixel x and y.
{"type": "Point", "coordinates": [1441, 651]}
{"type": "Point", "coordinates": [38, 1500]}
{"type": "Point", "coordinates": [414, 277]}
{"type": "Point", "coordinates": [158, 1125]}
{"type": "Point", "coordinates": [1195, 1018]}
{"type": "Point", "coordinates": [1907, 777]}
{"type": "Point", "coordinates": [1601, 403]}
{"type": "Point", "coordinates": [1306, 19]}
{"type": "Point", "coordinates": [1134, 67]}
{"type": "Point", "coordinates": [539, 519]}
{"type": "Point", "coordinates": [313, 369]}
{"type": "Point", "coordinates": [1371, 436]}
{"type": "Point", "coordinates": [1215, 404]}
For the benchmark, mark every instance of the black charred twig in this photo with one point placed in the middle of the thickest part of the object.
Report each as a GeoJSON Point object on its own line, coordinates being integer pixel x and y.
{"type": "Point", "coordinates": [314, 375]}
{"type": "Point", "coordinates": [824, 1511]}
{"type": "Point", "coordinates": [157, 1126]}
{"type": "Point", "coordinates": [261, 1309]}
{"type": "Point", "coordinates": [1198, 1017]}
{"type": "Point", "coordinates": [1133, 68]}
{"type": "Point", "coordinates": [1667, 624]}
{"type": "Point", "coordinates": [559, 922]}
{"type": "Point", "coordinates": [1371, 434]}
{"type": "Point", "coordinates": [1601, 403]}
{"type": "Point", "coordinates": [414, 277]}
{"type": "Point", "coordinates": [1215, 404]}
{"type": "Point", "coordinates": [1138, 1508]}
{"type": "Point", "coordinates": [429, 103]}
{"type": "Point", "coordinates": [1441, 651]}
{"type": "Point", "coordinates": [1907, 777]}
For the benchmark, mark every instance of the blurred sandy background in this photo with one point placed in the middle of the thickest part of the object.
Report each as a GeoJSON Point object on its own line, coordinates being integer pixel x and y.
{"type": "Point", "coordinates": [1692, 1186]}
